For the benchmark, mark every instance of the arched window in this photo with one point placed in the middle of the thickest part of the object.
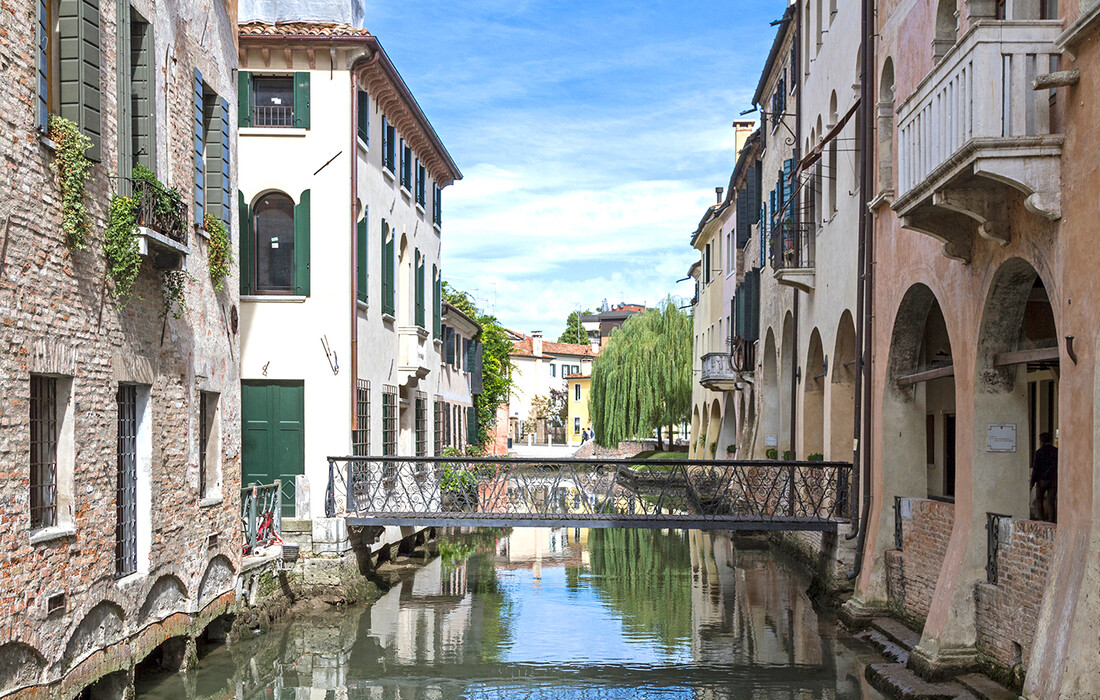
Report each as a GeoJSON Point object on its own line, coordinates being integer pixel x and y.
{"type": "Point", "coordinates": [886, 126]}
{"type": "Point", "coordinates": [273, 224]}
{"type": "Point", "coordinates": [947, 28]}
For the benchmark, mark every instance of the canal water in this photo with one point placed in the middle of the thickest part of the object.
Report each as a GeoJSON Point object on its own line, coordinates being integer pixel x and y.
{"type": "Point", "coordinates": [555, 613]}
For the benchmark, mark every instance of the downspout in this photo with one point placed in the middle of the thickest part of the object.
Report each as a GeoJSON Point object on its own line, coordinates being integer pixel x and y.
{"type": "Point", "coordinates": [795, 219]}
{"type": "Point", "coordinates": [865, 301]}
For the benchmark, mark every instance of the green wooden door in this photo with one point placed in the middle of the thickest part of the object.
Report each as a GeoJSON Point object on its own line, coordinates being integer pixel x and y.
{"type": "Point", "coordinates": [273, 440]}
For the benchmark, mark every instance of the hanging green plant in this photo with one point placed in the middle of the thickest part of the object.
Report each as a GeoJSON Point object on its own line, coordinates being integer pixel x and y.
{"type": "Point", "coordinates": [219, 252]}
{"type": "Point", "coordinates": [72, 168]}
{"type": "Point", "coordinates": [174, 287]}
{"type": "Point", "coordinates": [120, 246]}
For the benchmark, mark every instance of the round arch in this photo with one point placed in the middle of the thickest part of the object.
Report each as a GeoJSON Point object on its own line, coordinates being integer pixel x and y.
{"type": "Point", "coordinates": [769, 407]}
{"type": "Point", "coordinates": [842, 373]}
{"type": "Point", "coordinates": [787, 358]}
{"type": "Point", "coordinates": [813, 398]}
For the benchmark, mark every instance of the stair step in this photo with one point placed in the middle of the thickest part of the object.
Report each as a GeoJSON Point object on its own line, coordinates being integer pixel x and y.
{"type": "Point", "coordinates": [884, 645]}
{"type": "Point", "coordinates": [897, 681]}
{"type": "Point", "coordinates": [902, 635]}
{"type": "Point", "coordinates": [985, 688]}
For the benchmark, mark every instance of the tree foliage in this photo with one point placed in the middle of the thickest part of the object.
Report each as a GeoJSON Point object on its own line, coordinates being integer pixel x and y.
{"type": "Point", "coordinates": [574, 332]}
{"type": "Point", "coordinates": [553, 407]}
{"type": "Point", "coordinates": [642, 379]}
{"type": "Point", "coordinates": [496, 361]}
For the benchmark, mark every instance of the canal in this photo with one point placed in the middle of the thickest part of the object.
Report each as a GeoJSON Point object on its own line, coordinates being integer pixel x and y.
{"type": "Point", "coordinates": [554, 613]}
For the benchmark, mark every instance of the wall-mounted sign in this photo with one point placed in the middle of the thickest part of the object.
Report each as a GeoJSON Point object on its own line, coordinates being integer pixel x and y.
{"type": "Point", "coordinates": [1001, 438]}
{"type": "Point", "coordinates": [771, 441]}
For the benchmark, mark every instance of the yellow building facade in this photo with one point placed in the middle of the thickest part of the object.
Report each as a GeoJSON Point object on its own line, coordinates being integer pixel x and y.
{"type": "Point", "coordinates": [577, 420]}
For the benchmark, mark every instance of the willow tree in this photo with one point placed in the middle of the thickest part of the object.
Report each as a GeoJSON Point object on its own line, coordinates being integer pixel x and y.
{"type": "Point", "coordinates": [642, 379]}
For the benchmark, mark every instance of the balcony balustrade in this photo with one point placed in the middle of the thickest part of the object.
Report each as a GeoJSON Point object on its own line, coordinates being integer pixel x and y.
{"type": "Point", "coordinates": [162, 223]}
{"type": "Point", "coordinates": [975, 131]}
{"type": "Point", "coordinates": [717, 373]}
{"type": "Point", "coordinates": [412, 354]}
{"type": "Point", "coordinates": [793, 255]}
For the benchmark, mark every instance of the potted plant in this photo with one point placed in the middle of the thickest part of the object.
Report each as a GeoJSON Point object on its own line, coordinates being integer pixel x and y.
{"type": "Point", "coordinates": [816, 457]}
{"type": "Point", "coordinates": [771, 453]}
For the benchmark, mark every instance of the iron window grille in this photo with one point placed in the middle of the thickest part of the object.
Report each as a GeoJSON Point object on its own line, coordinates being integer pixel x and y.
{"type": "Point", "coordinates": [421, 418]}
{"type": "Point", "coordinates": [389, 420]}
{"type": "Point", "coordinates": [438, 424]}
{"type": "Point", "coordinates": [126, 484]}
{"type": "Point", "coordinates": [279, 93]}
{"type": "Point", "coordinates": [43, 424]}
{"type": "Point", "coordinates": [360, 438]}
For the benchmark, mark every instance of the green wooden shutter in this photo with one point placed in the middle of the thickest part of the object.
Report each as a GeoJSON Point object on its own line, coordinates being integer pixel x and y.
{"type": "Point", "coordinates": [43, 67]}
{"type": "Point", "coordinates": [301, 246]}
{"type": "Point", "coordinates": [143, 98]}
{"type": "Point", "coordinates": [226, 153]}
{"type": "Point", "coordinates": [437, 304]}
{"type": "Point", "coordinates": [419, 292]}
{"type": "Point", "coordinates": [301, 100]}
{"type": "Point", "coordinates": [200, 154]}
{"type": "Point", "coordinates": [390, 147]}
{"type": "Point", "coordinates": [79, 56]}
{"type": "Point", "coordinates": [245, 253]}
{"type": "Point", "coordinates": [361, 259]}
{"type": "Point", "coordinates": [244, 98]}
{"type": "Point", "coordinates": [387, 270]}
{"type": "Point", "coordinates": [362, 113]}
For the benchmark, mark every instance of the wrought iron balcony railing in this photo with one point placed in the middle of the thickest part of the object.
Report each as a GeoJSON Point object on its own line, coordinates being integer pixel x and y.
{"type": "Point", "coordinates": [158, 211]}
{"type": "Point", "coordinates": [261, 515]}
{"type": "Point", "coordinates": [280, 116]}
{"type": "Point", "coordinates": [793, 246]}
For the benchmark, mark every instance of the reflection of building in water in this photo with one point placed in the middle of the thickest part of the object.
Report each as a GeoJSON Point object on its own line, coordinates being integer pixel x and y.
{"type": "Point", "coordinates": [530, 547]}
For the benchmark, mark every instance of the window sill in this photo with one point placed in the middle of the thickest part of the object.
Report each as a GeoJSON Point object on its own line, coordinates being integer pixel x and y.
{"type": "Point", "coordinates": [388, 318]}
{"type": "Point", "coordinates": [47, 142]}
{"type": "Point", "coordinates": [362, 305]}
{"type": "Point", "coordinates": [363, 145]}
{"type": "Point", "coordinates": [272, 131]}
{"type": "Point", "coordinates": [130, 579]}
{"type": "Point", "coordinates": [405, 191]}
{"type": "Point", "coordinates": [274, 298]}
{"type": "Point", "coordinates": [49, 534]}
{"type": "Point", "coordinates": [420, 208]}
{"type": "Point", "coordinates": [388, 174]}
{"type": "Point", "coordinates": [437, 227]}
{"type": "Point", "coordinates": [211, 501]}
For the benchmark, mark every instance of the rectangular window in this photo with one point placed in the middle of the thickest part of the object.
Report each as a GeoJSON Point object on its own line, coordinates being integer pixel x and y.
{"type": "Point", "coordinates": [362, 115]}
{"type": "Point", "coordinates": [217, 190]}
{"type": "Point", "coordinates": [437, 304]}
{"type": "Point", "coordinates": [387, 270]}
{"type": "Point", "coordinates": [209, 444]}
{"type": "Point", "coordinates": [361, 266]}
{"type": "Point", "coordinates": [143, 125]}
{"type": "Point", "coordinates": [437, 423]}
{"type": "Point", "coordinates": [418, 292]}
{"type": "Point", "coordinates": [437, 205]}
{"type": "Point", "coordinates": [421, 187]}
{"type": "Point", "coordinates": [360, 439]}
{"type": "Point", "coordinates": [577, 392]}
{"type": "Point", "coordinates": [126, 482]}
{"type": "Point", "coordinates": [69, 74]}
{"type": "Point", "coordinates": [389, 146]}
{"type": "Point", "coordinates": [44, 437]}
{"type": "Point", "coordinates": [389, 420]}
{"type": "Point", "coordinates": [406, 165]}
{"type": "Point", "coordinates": [553, 370]}
{"type": "Point", "coordinates": [273, 101]}
{"type": "Point", "coordinates": [420, 417]}
{"type": "Point", "coordinates": [577, 425]}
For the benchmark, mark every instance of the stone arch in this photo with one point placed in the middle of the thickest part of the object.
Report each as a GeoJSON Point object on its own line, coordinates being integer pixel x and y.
{"type": "Point", "coordinates": [217, 579]}
{"type": "Point", "coordinates": [20, 665]}
{"type": "Point", "coordinates": [842, 373]}
{"type": "Point", "coordinates": [886, 126]}
{"type": "Point", "coordinates": [787, 360]}
{"type": "Point", "coordinates": [947, 27]}
{"type": "Point", "coordinates": [101, 626]}
{"type": "Point", "coordinates": [166, 596]}
{"type": "Point", "coordinates": [813, 398]}
{"type": "Point", "coordinates": [1017, 316]}
{"type": "Point", "coordinates": [727, 437]}
{"type": "Point", "coordinates": [696, 426]}
{"type": "Point", "coordinates": [714, 430]}
{"type": "Point", "coordinates": [769, 397]}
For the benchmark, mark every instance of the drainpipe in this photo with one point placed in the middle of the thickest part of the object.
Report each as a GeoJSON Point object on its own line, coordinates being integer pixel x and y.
{"type": "Point", "coordinates": [354, 249]}
{"type": "Point", "coordinates": [795, 218]}
{"type": "Point", "coordinates": [865, 301]}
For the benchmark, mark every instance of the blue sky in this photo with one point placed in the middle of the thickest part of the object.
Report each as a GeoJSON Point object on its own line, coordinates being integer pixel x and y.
{"type": "Point", "coordinates": [591, 137]}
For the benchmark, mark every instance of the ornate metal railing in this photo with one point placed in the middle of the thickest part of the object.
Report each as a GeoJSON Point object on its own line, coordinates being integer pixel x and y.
{"type": "Point", "coordinates": [793, 246]}
{"type": "Point", "coordinates": [495, 492]}
{"type": "Point", "coordinates": [155, 210]}
{"type": "Point", "coordinates": [993, 544]}
{"type": "Point", "coordinates": [261, 515]}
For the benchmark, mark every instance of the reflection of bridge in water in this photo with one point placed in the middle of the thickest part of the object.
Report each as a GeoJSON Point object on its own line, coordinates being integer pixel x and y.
{"type": "Point", "coordinates": [510, 492]}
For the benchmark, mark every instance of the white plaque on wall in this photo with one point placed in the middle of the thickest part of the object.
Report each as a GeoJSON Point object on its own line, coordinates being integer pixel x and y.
{"type": "Point", "coordinates": [771, 441]}
{"type": "Point", "coordinates": [1001, 438]}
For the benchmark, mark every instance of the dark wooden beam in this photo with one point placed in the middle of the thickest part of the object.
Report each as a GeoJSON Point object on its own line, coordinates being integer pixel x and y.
{"type": "Point", "coordinates": [926, 376]}
{"type": "Point", "coordinates": [1019, 357]}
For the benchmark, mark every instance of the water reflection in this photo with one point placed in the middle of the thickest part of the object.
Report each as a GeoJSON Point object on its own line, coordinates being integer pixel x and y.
{"type": "Point", "coordinates": [556, 613]}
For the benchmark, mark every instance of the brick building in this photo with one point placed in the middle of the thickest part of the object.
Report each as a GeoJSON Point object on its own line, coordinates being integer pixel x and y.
{"type": "Point", "coordinates": [120, 422]}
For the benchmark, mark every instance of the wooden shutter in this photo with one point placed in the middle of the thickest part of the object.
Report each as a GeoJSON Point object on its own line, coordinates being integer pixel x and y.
{"type": "Point", "coordinates": [471, 425]}
{"type": "Point", "coordinates": [301, 100]}
{"type": "Point", "coordinates": [143, 82]}
{"type": "Point", "coordinates": [361, 259]}
{"type": "Point", "coordinates": [437, 304]}
{"type": "Point", "coordinates": [387, 270]}
{"type": "Point", "coordinates": [245, 253]}
{"type": "Point", "coordinates": [385, 140]}
{"type": "Point", "coordinates": [362, 114]}
{"type": "Point", "coordinates": [200, 151]}
{"type": "Point", "coordinates": [244, 99]}
{"type": "Point", "coordinates": [753, 305]}
{"type": "Point", "coordinates": [301, 246]}
{"type": "Point", "coordinates": [756, 191]}
{"type": "Point", "coordinates": [449, 345]}
{"type": "Point", "coordinates": [743, 216]}
{"type": "Point", "coordinates": [418, 291]}
{"type": "Point", "coordinates": [43, 66]}
{"type": "Point", "coordinates": [391, 147]}
{"type": "Point", "coordinates": [224, 156]}
{"type": "Point", "coordinates": [81, 96]}
{"type": "Point", "coordinates": [476, 384]}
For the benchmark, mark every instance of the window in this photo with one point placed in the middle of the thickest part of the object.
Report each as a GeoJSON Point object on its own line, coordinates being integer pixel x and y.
{"type": "Point", "coordinates": [68, 45]}
{"type": "Point", "coordinates": [274, 101]}
{"type": "Point", "coordinates": [406, 165]}
{"type": "Point", "coordinates": [437, 304]}
{"type": "Point", "coordinates": [387, 270]}
{"type": "Point", "coordinates": [362, 115]}
{"type": "Point", "coordinates": [142, 86]}
{"type": "Point", "coordinates": [437, 205]}
{"type": "Point", "coordinates": [448, 345]}
{"type": "Point", "coordinates": [577, 391]}
{"type": "Point", "coordinates": [361, 259]}
{"type": "Point", "coordinates": [275, 246]}
{"type": "Point", "coordinates": [126, 484]}
{"type": "Point", "coordinates": [418, 293]}
{"type": "Point", "coordinates": [212, 154]}
{"type": "Point", "coordinates": [553, 370]}
{"type": "Point", "coordinates": [44, 436]}
{"type": "Point", "coordinates": [209, 445]}
{"type": "Point", "coordinates": [389, 146]}
{"type": "Point", "coordinates": [420, 417]}
{"type": "Point", "coordinates": [360, 437]}
{"type": "Point", "coordinates": [577, 425]}
{"type": "Point", "coordinates": [421, 176]}
{"type": "Point", "coordinates": [437, 423]}
{"type": "Point", "coordinates": [389, 420]}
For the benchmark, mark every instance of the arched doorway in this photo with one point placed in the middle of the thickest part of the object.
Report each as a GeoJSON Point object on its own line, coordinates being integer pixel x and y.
{"type": "Point", "coordinates": [696, 427]}
{"type": "Point", "coordinates": [714, 428]}
{"type": "Point", "coordinates": [769, 397]}
{"type": "Point", "coordinates": [727, 437]}
{"type": "Point", "coordinates": [786, 388]}
{"type": "Point", "coordinates": [842, 373]}
{"type": "Point", "coordinates": [813, 400]}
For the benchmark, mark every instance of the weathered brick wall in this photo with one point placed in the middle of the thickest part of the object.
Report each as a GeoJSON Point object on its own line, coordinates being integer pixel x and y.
{"type": "Point", "coordinates": [913, 572]}
{"type": "Point", "coordinates": [56, 317]}
{"type": "Point", "coordinates": [1007, 613]}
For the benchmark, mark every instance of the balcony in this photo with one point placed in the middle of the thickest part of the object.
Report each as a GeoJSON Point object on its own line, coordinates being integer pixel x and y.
{"type": "Point", "coordinates": [793, 255]}
{"type": "Point", "coordinates": [975, 133]}
{"type": "Point", "coordinates": [162, 223]}
{"type": "Point", "coordinates": [412, 354]}
{"type": "Point", "coordinates": [717, 373]}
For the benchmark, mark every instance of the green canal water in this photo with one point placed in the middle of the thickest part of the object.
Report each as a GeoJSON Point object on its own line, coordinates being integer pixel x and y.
{"type": "Point", "coordinates": [555, 613]}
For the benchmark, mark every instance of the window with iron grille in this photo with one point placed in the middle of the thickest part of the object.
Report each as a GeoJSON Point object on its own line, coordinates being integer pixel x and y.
{"type": "Point", "coordinates": [360, 439]}
{"type": "Point", "coordinates": [389, 420]}
{"type": "Point", "coordinates": [421, 417]}
{"type": "Point", "coordinates": [438, 423]}
{"type": "Point", "coordinates": [126, 482]}
{"type": "Point", "coordinates": [43, 426]}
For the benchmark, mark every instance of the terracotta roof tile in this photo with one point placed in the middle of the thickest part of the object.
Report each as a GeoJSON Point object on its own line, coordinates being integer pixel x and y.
{"type": "Point", "coordinates": [312, 29]}
{"type": "Point", "coordinates": [525, 348]}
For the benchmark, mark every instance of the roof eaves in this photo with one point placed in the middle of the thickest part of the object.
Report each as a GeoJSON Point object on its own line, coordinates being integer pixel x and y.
{"type": "Point", "coordinates": [780, 36]}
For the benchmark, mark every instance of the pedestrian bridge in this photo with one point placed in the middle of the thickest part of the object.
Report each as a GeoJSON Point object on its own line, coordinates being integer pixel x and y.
{"type": "Point", "coordinates": [515, 492]}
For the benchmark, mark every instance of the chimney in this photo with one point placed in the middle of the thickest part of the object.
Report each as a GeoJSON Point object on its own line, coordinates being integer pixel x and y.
{"type": "Point", "coordinates": [718, 191]}
{"type": "Point", "coordinates": [536, 343]}
{"type": "Point", "coordinates": [743, 129]}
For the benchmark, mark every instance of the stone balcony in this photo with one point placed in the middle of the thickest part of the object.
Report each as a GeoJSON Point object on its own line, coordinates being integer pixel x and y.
{"type": "Point", "coordinates": [412, 355]}
{"type": "Point", "coordinates": [717, 373]}
{"type": "Point", "coordinates": [974, 134]}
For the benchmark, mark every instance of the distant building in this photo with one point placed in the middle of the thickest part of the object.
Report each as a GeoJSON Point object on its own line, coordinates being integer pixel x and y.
{"type": "Point", "coordinates": [599, 325]}
{"type": "Point", "coordinates": [455, 415]}
{"type": "Point", "coordinates": [539, 367]}
{"type": "Point", "coordinates": [577, 420]}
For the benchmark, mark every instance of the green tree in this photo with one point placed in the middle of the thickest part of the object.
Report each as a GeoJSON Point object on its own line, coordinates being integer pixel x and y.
{"type": "Point", "coordinates": [574, 332]}
{"type": "Point", "coordinates": [496, 361]}
{"type": "Point", "coordinates": [642, 379]}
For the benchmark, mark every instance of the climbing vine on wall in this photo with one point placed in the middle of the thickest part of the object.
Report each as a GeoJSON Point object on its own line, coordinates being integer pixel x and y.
{"type": "Point", "coordinates": [120, 246]}
{"type": "Point", "coordinates": [72, 167]}
{"type": "Point", "coordinates": [173, 287]}
{"type": "Point", "coordinates": [219, 256]}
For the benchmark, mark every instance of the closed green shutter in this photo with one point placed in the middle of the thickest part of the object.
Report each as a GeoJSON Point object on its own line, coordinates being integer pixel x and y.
{"type": "Point", "coordinates": [218, 190]}
{"type": "Point", "coordinates": [244, 99]}
{"type": "Point", "coordinates": [390, 147]}
{"type": "Point", "coordinates": [385, 141]}
{"type": "Point", "coordinates": [43, 67]}
{"type": "Point", "coordinates": [476, 383]}
{"type": "Point", "coordinates": [226, 153]}
{"type": "Point", "coordinates": [301, 100]}
{"type": "Point", "coordinates": [419, 293]}
{"type": "Point", "coordinates": [361, 259]}
{"type": "Point", "coordinates": [143, 98]}
{"type": "Point", "coordinates": [437, 304]}
{"type": "Point", "coordinates": [81, 96]}
{"type": "Point", "coordinates": [362, 114]}
{"type": "Point", "coordinates": [471, 425]}
{"type": "Point", "coordinates": [387, 270]}
{"type": "Point", "coordinates": [449, 345]}
{"type": "Point", "coordinates": [301, 246]}
{"type": "Point", "coordinates": [245, 218]}
{"type": "Point", "coordinates": [200, 154]}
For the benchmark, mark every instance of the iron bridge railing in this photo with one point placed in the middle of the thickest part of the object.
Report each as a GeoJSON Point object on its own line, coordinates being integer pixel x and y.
{"type": "Point", "coordinates": [502, 492]}
{"type": "Point", "coordinates": [261, 515]}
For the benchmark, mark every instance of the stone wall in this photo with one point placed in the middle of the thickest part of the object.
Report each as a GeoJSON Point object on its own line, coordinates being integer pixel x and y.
{"type": "Point", "coordinates": [912, 573]}
{"type": "Point", "coordinates": [1007, 612]}
{"type": "Point", "coordinates": [624, 450]}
